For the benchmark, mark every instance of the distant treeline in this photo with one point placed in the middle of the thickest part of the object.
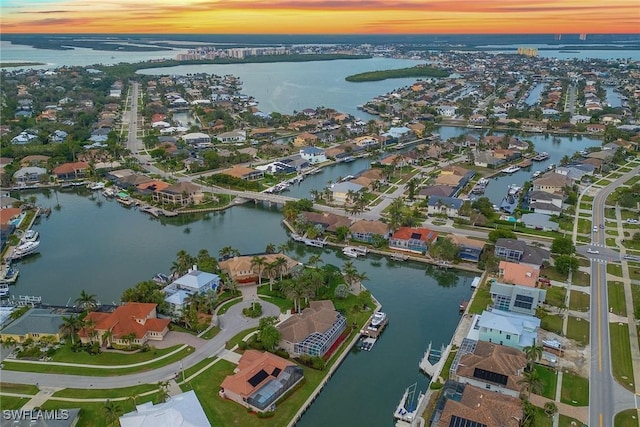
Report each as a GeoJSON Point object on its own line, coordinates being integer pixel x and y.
{"type": "Point", "coordinates": [19, 64]}
{"type": "Point", "coordinates": [373, 76]}
{"type": "Point", "coordinates": [129, 69]}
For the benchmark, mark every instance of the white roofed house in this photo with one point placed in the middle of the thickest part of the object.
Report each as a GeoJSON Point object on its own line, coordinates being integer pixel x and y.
{"type": "Point", "coordinates": [29, 175]}
{"type": "Point", "coordinates": [194, 282]}
{"type": "Point", "coordinates": [182, 410]}
{"type": "Point", "coordinates": [232, 136]}
{"type": "Point", "coordinates": [341, 189]}
{"type": "Point", "coordinates": [196, 138]}
{"type": "Point", "coordinates": [313, 155]}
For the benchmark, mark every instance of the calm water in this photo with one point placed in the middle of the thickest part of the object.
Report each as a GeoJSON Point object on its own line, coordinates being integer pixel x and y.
{"type": "Point", "coordinates": [106, 249]}
{"type": "Point", "coordinates": [294, 86]}
{"type": "Point", "coordinates": [534, 95]}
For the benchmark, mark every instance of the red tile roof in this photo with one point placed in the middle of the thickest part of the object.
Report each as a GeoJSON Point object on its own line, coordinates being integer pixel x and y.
{"type": "Point", "coordinates": [128, 318]}
{"type": "Point", "coordinates": [423, 234]}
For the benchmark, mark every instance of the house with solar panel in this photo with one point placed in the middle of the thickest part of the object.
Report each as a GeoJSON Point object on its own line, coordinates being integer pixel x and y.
{"type": "Point", "coordinates": [412, 239]}
{"type": "Point", "coordinates": [491, 367]}
{"type": "Point", "coordinates": [260, 379]}
{"type": "Point", "coordinates": [313, 331]}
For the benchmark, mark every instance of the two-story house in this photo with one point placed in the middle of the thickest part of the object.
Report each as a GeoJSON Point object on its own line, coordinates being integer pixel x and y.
{"type": "Point", "coordinates": [412, 239]}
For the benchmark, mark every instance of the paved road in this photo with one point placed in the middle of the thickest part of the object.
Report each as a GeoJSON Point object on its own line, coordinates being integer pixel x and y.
{"type": "Point", "coordinates": [606, 396]}
{"type": "Point", "coordinates": [232, 323]}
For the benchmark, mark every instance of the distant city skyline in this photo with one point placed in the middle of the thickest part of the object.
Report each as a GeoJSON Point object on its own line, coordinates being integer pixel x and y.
{"type": "Point", "coordinates": [321, 16]}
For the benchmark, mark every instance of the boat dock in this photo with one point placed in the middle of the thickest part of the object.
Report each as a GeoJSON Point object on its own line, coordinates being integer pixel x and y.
{"type": "Point", "coordinates": [409, 410]}
{"type": "Point", "coordinates": [375, 325]}
{"type": "Point", "coordinates": [367, 343]}
{"type": "Point", "coordinates": [432, 361]}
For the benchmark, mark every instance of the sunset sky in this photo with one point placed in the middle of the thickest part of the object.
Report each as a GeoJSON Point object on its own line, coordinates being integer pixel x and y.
{"type": "Point", "coordinates": [320, 16]}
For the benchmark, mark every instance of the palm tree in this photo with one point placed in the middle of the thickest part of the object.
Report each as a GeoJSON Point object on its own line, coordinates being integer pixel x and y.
{"type": "Point", "coordinates": [89, 326]}
{"type": "Point", "coordinates": [259, 263]}
{"type": "Point", "coordinates": [349, 273]}
{"type": "Point", "coordinates": [531, 382]}
{"type": "Point", "coordinates": [106, 337]}
{"type": "Point", "coordinates": [533, 353]}
{"type": "Point", "coordinates": [129, 339]}
{"type": "Point", "coordinates": [163, 391]}
{"type": "Point", "coordinates": [270, 249]}
{"type": "Point", "coordinates": [283, 247]}
{"type": "Point", "coordinates": [271, 270]}
{"type": "Point", "coordinates": [8, 342]}
{"type": "Point", "coordinates": [280, 264]}
{"type": "Point", "coordinates": [550, 409]}
{"type": "Point", "coordinates": [292, 289]}
{"type": "Point", "coordinates": [112, 412]}
{"type": "Point", "coordinates": [228, 252]}
{"type": "Point", "coordinates": [70, 326]}
{"type": "Point", "coordinates": [314, 260]}
{"type": "Point", "coordinates": [86, 301]}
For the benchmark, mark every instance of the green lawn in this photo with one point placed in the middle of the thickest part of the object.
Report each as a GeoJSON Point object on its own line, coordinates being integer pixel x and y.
{"type": "Point", "coordinates": [611, 232]}
{"type": "Point", "coordinates": [564, 421]}
{"type": "Point", "coordinates": [610, 242]}
{"type": "Point", "coordinates": [583, 239]}
{"type": "Point", "coordinates": [212, 332]}
{"type": "Point", "coordinates": [580, 278]}
{"type": "Point", "coordinates": [586, 198]}
{"type": "Point", "coordinates": [552, 323]}
{"type": "Point", "coordinates": [92, 413]}
{"type": "Point", "coordinates": [575, 390]}
{"type": "Point", "coordinates": [614, 269]}
{"type": "Point", "coordinates": [195, 368]}
{"type": "Point", "coordinates": [634, 272]}
{"type": "Point", "coordinates": [551, 273]}
{"type": "Point", "coordinates": [444, 373]}
{"type": "Point", "coordinates": [238, 337]}
{"type": "Point", "coordinates": [584, 225]}
{"type": "Point", "coordinates": [635, 296]}
{"type": "Point", "coordinates": [64, 354]}
{"type": "Point", "coordinates": [579, 301]}
{"type": "Point", "coordinates": [621, 358]}
{"type": "Point", "coordinates": [10, 402]}
{"type": "Point", "coordinates": [83, 370]}
{"type": "Point", "coordinates": [226, 413]}
{"type": "Point", "coordinates": [82, 393]}
{"type": "Point", "coordinates": [481, 299]}
{"type": "Point", "coordinates": [19, 388]}
{"type": "Point", "coordinates": [628, 418]}
{"type": "Point", "coordinates": [541, 419]}
{"type": "Point", "coordinates": [632, 181]}
{"type": "Point", "coordinates": [615, 291]}
{"type": "Point", "coordinates": [586, 207]}
{"type": "Point", "coordinates": [603, 182]}
{"type": "Point", "coordinates": [227, 305]}
{"type": "Point", "coordinates": [556, 296]}
{"type": "Point", "coordinates": [283, 304]}
{"type": "Point", "coordinates": [550, 379]}
{"type": "Point", "coordinates": [578, 329]}
{"type": "Point", "coordinates": [610, 213]}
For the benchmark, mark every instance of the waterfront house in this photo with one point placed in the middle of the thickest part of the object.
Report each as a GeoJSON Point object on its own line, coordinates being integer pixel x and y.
{"type": "Point", "coordinates": [516, 298]}
{"type": "Point", "coordinates": [544, 202]}
{"type": "Point", "coordinates": [412, 239]}
{"type": "Point", "coordinates": [242, 270]}
{"type": "Point", "coordinates": [539, 221]}
{"type": "Point", "coordinates": [575, 171]}
{"type": "Point", "coordinates": [181, 410]}
{"type": "Point", "coordinates": [486, 159]}
{"type": "Point", "coordinates": [518, 274]}
{"type": "Point", "coordinates": [305, 138]}
{"type": "Point", "coordinates": [243, 172]}
{"type": "Point", "coordinates": [133, 180]}
{"type": "Point", "coordinates": [437, 191]}
{"type": "Point", "coordinates": [518, 251]}
{"type": "Point", "coordinates": [552, 183]}
{"type": "Point", "coordinates": [313, 331]}
{"type": "Point", "coordinates": [341, 190]}
{"type": "Point", "coordinates": [492, 367]}
{"type": "Point", "coordinates": [191, 283]}
{"type": "Point", "coordinates": [180, 194]}
{"type": "Point", "coordinates": [448, 206]}
{"type": "Point", "coordinates": [132, 318]}
{"type": "Point", "coordinates": [36, 324]}
{"type": "Point", "coordinates": [34, 160]}
{"type": "Point", "coordinates": [29, 175]}
{"type": "Point", "coordinates": [470, 249]}
{"type": "Point", "coordinates": [473, 406]}
{"type": "Point", "coordinates": [327, 220]}
{"type": "Point", "coordinates": [313, 155]}
{"type": "Point", "coordinates": [507, 328]}
{"type": "Point", "coordinates": [260, 379]}
{"type": "Point", "coordinates": [364, 230]}
{"type": "Point", "coordinates": [74, 170]}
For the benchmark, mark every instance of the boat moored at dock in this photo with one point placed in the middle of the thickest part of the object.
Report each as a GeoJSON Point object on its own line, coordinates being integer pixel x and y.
{"type": "Point", "coordinates": [9, 275]}
{"type": "Point", "coordinates": [25, 249]}
{"type": "Point", "coordinates": [540, 157]}
{"type": "Point", "coordinates": [376, 324]}
{"type": "Point", "coordinates": [29, 236]}
{"type": "Point", "coordinates": [511, 169]}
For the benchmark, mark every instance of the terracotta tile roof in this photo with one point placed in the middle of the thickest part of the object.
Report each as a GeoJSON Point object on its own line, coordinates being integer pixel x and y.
{"type": "Point", "coordinates": [318, 317]}
{"type": "Point", "coordinates": [423, 234]}
{"type": "Point", "coordinates": [8, 214]}
{"type": "Point", "coordinates": [241, 269]}
{"type": "Point", "coordinates": [452, 180]}
{"type": "Point", "coordinates": [485, 407]}
{"type": "Point", "coordinates": [238, 171]}
{"type": "Point", "coordinates": [67, 168]}
{"type": "Point", "coordinates": [495, 358]}
{"type": "Point", "coordinates": [519, 274]}
{"type": "Point", "coordinates": [153, 185]}
{"type": "Point", "coordinates": [328, 220]}
{"type": "Point", "coordinates": [465, 241]}
{"type": "Point", "coordinates": [250, 364]}
{"type": "Point", "coordinates": [128, 318]}
{"type": "Point", "coordinates": [367, 226]}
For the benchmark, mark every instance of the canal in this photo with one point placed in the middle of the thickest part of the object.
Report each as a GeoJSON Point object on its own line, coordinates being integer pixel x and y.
{"type": "Point", "coordinates": [534, 94]}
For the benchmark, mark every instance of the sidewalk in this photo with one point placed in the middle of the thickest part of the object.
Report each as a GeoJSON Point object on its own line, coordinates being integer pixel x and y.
{"type": "Point", "coordinates": [580, 413]}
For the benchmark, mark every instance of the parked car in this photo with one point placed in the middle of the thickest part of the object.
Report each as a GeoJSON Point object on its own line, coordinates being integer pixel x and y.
{"type": "Point", "coordinates": [593, 251]}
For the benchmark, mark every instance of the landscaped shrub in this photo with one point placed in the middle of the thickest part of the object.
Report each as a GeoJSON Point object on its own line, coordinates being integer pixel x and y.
{"type": "Point", "coordinates": [282, 353]}
{"type": "Point", "coordinates": [267, 414]}
{"type": "Point", "coordinates": [242, 345]}
{"type": "Point", "coordinates": [253, 311]}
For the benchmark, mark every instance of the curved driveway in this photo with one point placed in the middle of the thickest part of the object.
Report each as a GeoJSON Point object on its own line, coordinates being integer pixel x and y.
{"type": "Point", "coordinates": [232, 323]}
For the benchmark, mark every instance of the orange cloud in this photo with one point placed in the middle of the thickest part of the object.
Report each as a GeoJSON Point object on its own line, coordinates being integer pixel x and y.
{"type": "Point", "coordinates": [317, 16]}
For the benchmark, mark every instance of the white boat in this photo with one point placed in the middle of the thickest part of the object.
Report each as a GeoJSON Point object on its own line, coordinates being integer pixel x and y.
{"type": "Point", "coordinates": [350, 251]}
{"type": "Point", "coordinates": [399, 257]}
{"type": "Point", "coordinates": [4, 290]}
{"type": "Point", "coordinates": [24, 249]}
{"type": "Point", "coordinates": [511, 169]}
{"type": "Point", "coordinates": [96, 186]}
{"type": "Point", "coordinates": [537, 174]}
{"type": "Point", "coordinates": [378, 318]}
{"type": "Point", "coordinates": [161, 279]}
{"type": "Point", "coordinates": [110, 192]}
{"type": "Point", "coordinates": [513, 190]}
{"type": "Point", "coordinates": [551, 167]}
{"type": "Point", "coordinates": [315, 243]}
{"type": "Point", "coordinates": [29, 236]}
{"type": "Point", "coordinates": [407, 409]}
{"type": "Point", "coordinates": [361, 250]}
